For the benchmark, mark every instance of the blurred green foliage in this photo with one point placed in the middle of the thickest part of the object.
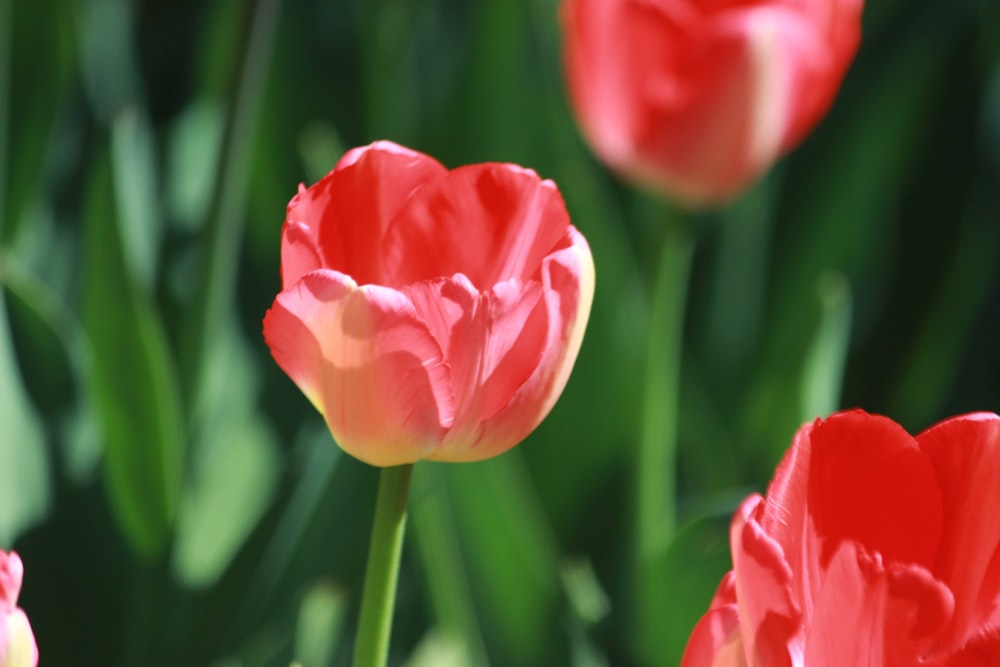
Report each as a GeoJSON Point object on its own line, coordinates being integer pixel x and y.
{"type": "Point", "coordinates": [176, 500]}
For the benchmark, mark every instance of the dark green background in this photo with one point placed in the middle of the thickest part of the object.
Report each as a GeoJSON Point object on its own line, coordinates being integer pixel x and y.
{"type": "Point", "coordinates": [177, 501]}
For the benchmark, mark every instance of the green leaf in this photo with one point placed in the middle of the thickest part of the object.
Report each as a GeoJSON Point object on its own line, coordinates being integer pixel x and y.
{"type": "Point", "coordinates": [59, 354]}
{"type": "Point", "coordinates": [439, 649]}
{"type": "Point", "coordinates": [40, 57]}
{"type": "Point", "coordinates": [320, 146]}
{"type": "Point", "coordinates": [133, 379]}
{"type": "Point", "coordinates": [934, 357]}
{"type": "Point", "coordinates": [133, 165]}
{"type": "Point", "coordinates": [512, 558]}
{"type": "Point", "coordinates": [435, 533]}
{"type": "Point", "coordinates": [586, 597]}
{"type": "Point", "coordinates": [320, 624]}
{"type": "Point", "coordinates": [233, 465]}
{"type": "Point", "coordinates": [24, 474]}
{"type": "Point", "coordinates": [193, 151]}
{"type": "Point", "coordinates": [686, 576]}
{"type": "Point", "coordinates": [230, 486]}
{"type": "Point", "coordinates": [823, 370]}
{"type": "Point", "coordinates": [840, 211]}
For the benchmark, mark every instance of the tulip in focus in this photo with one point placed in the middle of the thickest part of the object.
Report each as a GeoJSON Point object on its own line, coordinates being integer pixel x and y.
{"type": "Point", "coordinates": [17, 643]}
{"type": "Point", "coordinates": [697, 99]}
{"type": "Point", "coordinates": [872, 548]}
{"type": "Point", "coordinates": [427, 313]}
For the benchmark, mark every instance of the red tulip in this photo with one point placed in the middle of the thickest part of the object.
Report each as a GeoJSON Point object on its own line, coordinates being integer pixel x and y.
{"type": "Point", "coordinates": [872, 548]}
{"type": "Point", "coordinates": [699, 98]}
{"type": "Point", "coordinates": [427, 313]}
{"type": "Point", "coordinates": [17, 643]}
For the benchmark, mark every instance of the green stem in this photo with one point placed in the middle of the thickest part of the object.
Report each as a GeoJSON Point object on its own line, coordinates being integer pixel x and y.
{"type": "Point", "coordinates": [656, 512]}
{"type": "Point", "coordinates": [371, 648]}
{"type": "Point", "coordinates": [655, 478]}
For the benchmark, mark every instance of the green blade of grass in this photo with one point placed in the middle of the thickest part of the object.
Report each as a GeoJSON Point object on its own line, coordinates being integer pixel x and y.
{"type": "Point", "coordinates": [133, 381]}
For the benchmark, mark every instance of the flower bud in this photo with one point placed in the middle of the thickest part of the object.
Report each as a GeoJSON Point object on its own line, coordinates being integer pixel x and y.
{"type": "Point", "coordinates": [697, 99]}
{"type": "Point", "coordinates": [17, 642]}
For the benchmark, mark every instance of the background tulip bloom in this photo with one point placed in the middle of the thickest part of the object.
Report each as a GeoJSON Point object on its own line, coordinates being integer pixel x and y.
{"type": "Point", "coordinates": [699, 98]}
{"type": "Point", "coordinates": [427, 313]}
{"type": "Point", "coordinates": [872, 548]}
{"type": "Point", "coordinates": [17, 643]}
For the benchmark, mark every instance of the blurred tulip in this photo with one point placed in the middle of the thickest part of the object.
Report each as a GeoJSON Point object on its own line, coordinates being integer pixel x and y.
{"type": "Point", "coordinates": [697, 99]}
{"type": "Point", "coordinates": [17, 643]}
{"type": "Point", "coordinates": [427, 313]}
{"type": "Point", "coordinates": [871, 548]}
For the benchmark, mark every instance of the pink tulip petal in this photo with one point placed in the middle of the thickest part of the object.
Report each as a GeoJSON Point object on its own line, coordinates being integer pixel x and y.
{"type": "Point", "coordinates": [552, 336]}
{"type": "Point", "coordinates": [874, 615]}
{"type": "Point", "coordinates": [340, 223]}
{"type": "Point", "coordinates": [17, 641]}
{"type": "Point", "coordinates": [490, 222]}
{"type": "Point", "coordinates": [981, 651]}
{"type": "Point", "coordinates": [512, 331]}
{"type": "Point", "coordinates": [887, 544]}
{"type": "Point", "coordinates": [598, 75]}
{"type": "Point", "coordinates": [870, 482]}
{"type": "Point", "coordinates": [745, 85]}
{"type": "Point", "coordinates": [11, 576]}
{"type": "Point", "coordinates": [453, 269]}
{"type": "Point", "coordinates": [492, 342]}
{"type": "Point", "coordinates": [787, 519]}
{"type": "Point", "coordinates": [367, 362]}
{"type": "Point", "coordinates": [725, 594]}
{"type": "Point", "coordinates": [699, 98]}
{"type": "Point", "coordinates": [769, 618]}
{"type": "Point", "coordinates": [715, 640]}
{"type": "Point", "coordinates": [795, 57]}
{"type": "Point", "coordinates": [965, 452]}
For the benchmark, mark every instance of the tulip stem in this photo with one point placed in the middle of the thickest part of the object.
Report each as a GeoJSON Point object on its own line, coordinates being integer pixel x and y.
{"type": "Point", "coordinates": [371, 648]}
{"type": "Point", "coordinates": [655, 478]}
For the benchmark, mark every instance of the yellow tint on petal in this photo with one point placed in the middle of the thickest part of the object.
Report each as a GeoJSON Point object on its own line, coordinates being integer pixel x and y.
{"type": "Point", "coordinates": [731, 652]}
{"type": "Point", "coordinates": [587, 279]}
{"type": "Point", "coordinates": [21, 650]}
{"type": "Point", "coordinates": [588, 276]}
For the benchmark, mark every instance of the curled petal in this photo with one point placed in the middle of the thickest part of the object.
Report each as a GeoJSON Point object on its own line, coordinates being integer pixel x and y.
{"type": "Point", "coordinates": [868, 614]}
{"type": "Point", "coordinates": [367, 362]}
{"type": "Point", "coordinates": [542, 353]}
{"type": "Point", "coordinates": [770, 620]}
{"type": "Point", "coordinates": [493, 342]}
{"type": "Point", "coordinates": [786, 518]}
